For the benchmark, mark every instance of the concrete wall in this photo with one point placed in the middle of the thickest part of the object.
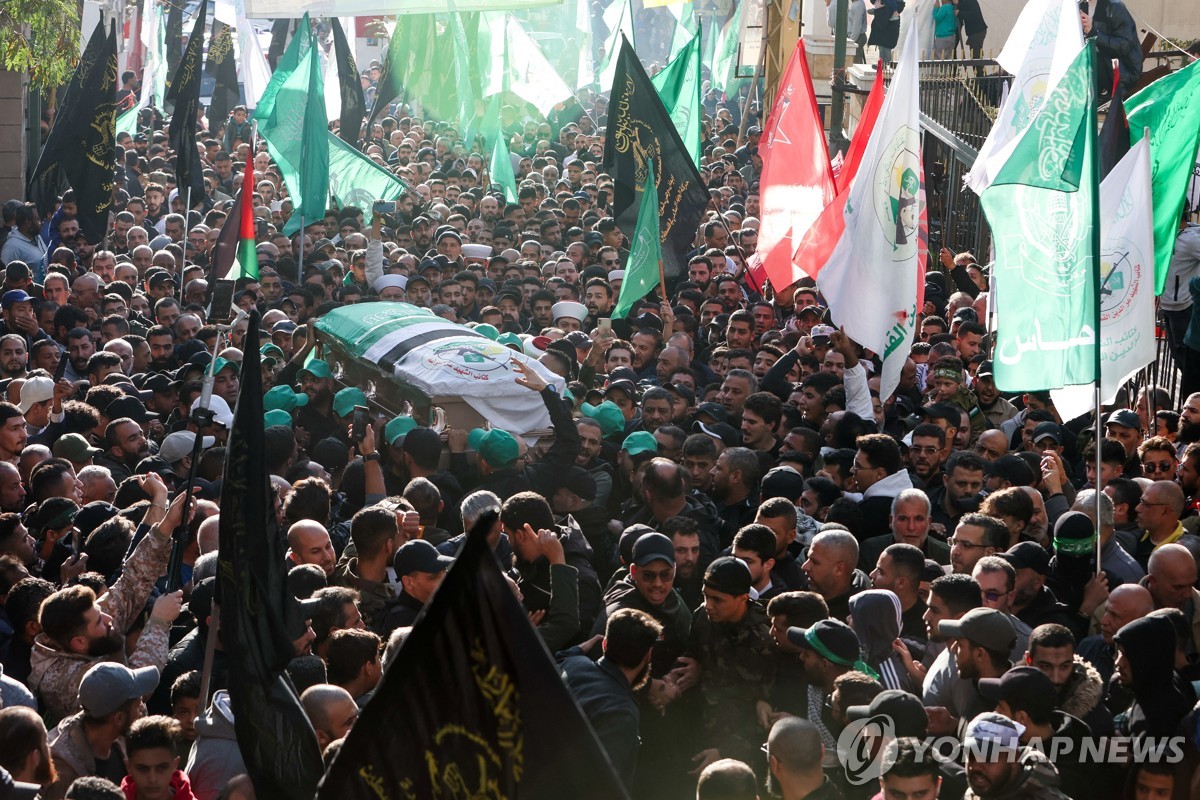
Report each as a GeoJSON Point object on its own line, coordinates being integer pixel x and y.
{"type": "Point", "coordinates": [12, 135]}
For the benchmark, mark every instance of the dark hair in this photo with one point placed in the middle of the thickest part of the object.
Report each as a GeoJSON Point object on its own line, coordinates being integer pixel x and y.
{"type": "Point", "coordinates": [906, 757]}
{"type": "Point", "coordinates": [779, 508]}
{"type": "Point", "coordinates": [765, 405]}
{"type": "Point", "coordinates": [186, 687]}
{"type": "Point", "coordinates": [800, 609]}
{"type": "Point", "coordinates": [150, 733]}
{"type": "Point", "coordinates": [965, 459]}
{"type": "Point", "coordinates": [929, 429]}
{"type": "Point", "coordinates": [309, 499]}
{"type": "Point", "coordinates": [757, 538]}
{"type": "Point", "coordinates": [349, 651]}
{"type": "Point", "coordinates": [960, 593]}
{"type": "Point", "coordinates": [331, 613]}
{"type": "Point", "coordinates": [826, 491]}
{"type": "Point", "coordinates": [628, 636]}
{"type": "Point", "coordinates": [727, 779]}
{"type": "Point", "coordinates": [1051, 635]}
{"type": "Point", "coordinates": [107, 544]}
{"type": "Point", "coordinates": [995, 532]}
{"type": "Point", "coordinates": [1013, 501]}
{"type": "Point", "coordinates": [93, 787]}
{"type": "Point", "coordinates": [907, 559]}
{"type": "Point", "coordinates": [1126, 490]}
{"type": "Point", "coordinates": [663, 478]}
{"type": "Point", "coordinates": [371, 529]}
{"type": "Point", "coordinates": [881, 451]}
{"type": "Point", "coordinates": [25, 598]}
{"type": "Point", "coordinates": [526, 508]}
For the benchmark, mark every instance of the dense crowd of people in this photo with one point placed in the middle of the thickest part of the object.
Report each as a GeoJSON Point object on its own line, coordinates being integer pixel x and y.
{"type": "Point", "coordinates": [736, 550]}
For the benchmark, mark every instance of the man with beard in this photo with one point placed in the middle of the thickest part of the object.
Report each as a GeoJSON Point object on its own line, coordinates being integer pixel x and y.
{"type": "Point", "coordinates": [125, 444]}
{"type": "Point", "coordinates": [80, 347]}
{"type": "Point", "coordinates": [1079, 689]}
{"type": "Point", "coordinates": [999, 767]}
{"type": "Point", "coordinates": [14, 356]}
{"type": "Point", "coordinates": [315, 420]}
{"type": "Point", "coordinates": [91, 742]}
{"type": "Point", "coordinates": [910, 525]}
{"type": "Point", "coordinates": [162, 349]}
{"type": "Point", "coordinates": [591, 438]}
{"type": "Point", "coordinates": [735, 479]}
{"type": "Point", "coordinates": [684, 534]}
{"type": "Point", "coordinates": [1189, 424]}
{"type": "Point", "coordinates": [960, 493]}
{"type": "Point", "coordinates": [978, 646]}
{"type": "Point", "coordinates": [926, 454]}
{"type": "Point", "coordinates": [605, 689]}
{"type": "Point", "coordinates": [598, 297]}
{"type": "Point", "coordinates": [80, 630]}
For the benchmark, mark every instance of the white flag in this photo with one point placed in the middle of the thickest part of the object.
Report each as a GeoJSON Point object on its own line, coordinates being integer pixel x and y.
{"type": "Point", "coordinates": [1126, 282]}
{"type": "Point", "coordinates": [522, 68]}
{"type": "Point", "coordinates": [252, 65]}
{"type": "Point", "coordinates": [619, 19]}
{"type": "Point", "coordinates": [875, 273]}
{"type": "Point", "coordinates": [1045, 41]}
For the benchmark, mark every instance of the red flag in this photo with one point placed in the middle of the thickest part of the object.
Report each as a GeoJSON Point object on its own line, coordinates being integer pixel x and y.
{"type": "Point", "coordinates": [844, 171]}
{"type": "Point", "coordinates": [796, 182]}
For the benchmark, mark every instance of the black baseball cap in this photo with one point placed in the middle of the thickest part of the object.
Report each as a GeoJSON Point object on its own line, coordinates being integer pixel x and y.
{"type": "Point", "coordinates": [782, 482]}
{"type": "Point", "coordinates": [1028, 555]}
{"type": "Point", "coordinates": [1012, 469]}
{"type": "Point", "coordinates": [127, 406]}
{"type": "Point", "coordinates": [905, 709]}
{"type": "Point", "coordinates": [1045, 429]}
{"type": "Point", "coordinates": [653, 547]}
{"type": "Point", "coordinates": [629, 538]}
{"type": "Point", "coordinates": [727, 575]}
{"type": "Point", "coordinates": [419, 555]}
{"type": "Point", "coordinates": [1125, 418]}
{"type": "Point", "coordinates": [1023, 688]}
{"type": "Point", "coordinates": [714, 410]}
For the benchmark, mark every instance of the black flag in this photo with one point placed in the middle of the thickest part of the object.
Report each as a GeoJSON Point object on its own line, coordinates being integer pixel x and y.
{"type": "Point", "coordinates": [257, 614]}
{"type": "Point", "coordinates": [81, 148]}
{"type": "Point", "coordinates": [185, 91]}
{"type": "Point", "coordinates": [354, 105]}
{"type": "Point", "coordinates": [221, 66]}
{"type": "Point", "coordinates": [640, 129]}
{"type": "Point", "coordinates": [1114, 133]}
{"type": "Point", "coordinates": [174, 41]}
{"type": "Point", "coordinates": [473, 706]}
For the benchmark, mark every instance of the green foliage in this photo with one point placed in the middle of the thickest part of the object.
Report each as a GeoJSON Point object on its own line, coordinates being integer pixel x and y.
{"type": "Point", "coordinates": [41, 37]}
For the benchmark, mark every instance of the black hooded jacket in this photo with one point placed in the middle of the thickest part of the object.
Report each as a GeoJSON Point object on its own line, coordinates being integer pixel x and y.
{"type": "Point", "coordinates": [1161, 698]}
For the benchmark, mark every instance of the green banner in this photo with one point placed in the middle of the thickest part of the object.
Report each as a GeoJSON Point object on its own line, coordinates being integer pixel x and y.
{"type": "Point", "coordinates": [678, 86]}
{"type": "Point", "coordinates": [645, 251]}
{"type": "Point", "coordinates": [356, 180]}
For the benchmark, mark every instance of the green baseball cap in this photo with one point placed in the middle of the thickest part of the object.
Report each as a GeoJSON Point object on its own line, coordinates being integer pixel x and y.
{"type": "Point", "coordinates": [397, 428]}
{"type": "Point", "coordinates": [345, 400]}
{"type": "Point", "coordinates": [488, 331]}
{"type": "Point", "coordinates": [317, 368]}
{"type": "Point", "coordinates": [277, 417]}
{"type": "Point", "coordinates": [284, 398]}
{"type": "Point", "coordinates": [272, 351]}
{"type": "Point", "coordinates": [608, 414]}
{"type": "Point", "coordinates": [222, 363]}
{"type": "Point", "coordinates": [511, 340]}
{"type": "Point", "coordinates": [498, 448]}
{"type": "Point", "coordinates": [640, 442]}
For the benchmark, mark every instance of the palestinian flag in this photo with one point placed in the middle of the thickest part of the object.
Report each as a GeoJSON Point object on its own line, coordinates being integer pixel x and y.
{"type": "Point", "coordinates": [245, 264]}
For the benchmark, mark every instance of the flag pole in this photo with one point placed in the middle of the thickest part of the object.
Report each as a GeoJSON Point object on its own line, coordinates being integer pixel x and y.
{"type": "Point", "coordinates": [1096, 286]}
{"type": "Point", "coordinates": [300, 258]}
{"type": "Point", "coordinates": [187, 225]}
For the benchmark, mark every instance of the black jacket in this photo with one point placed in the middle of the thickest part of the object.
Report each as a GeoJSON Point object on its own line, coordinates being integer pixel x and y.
{"type": "Point", "coordinates": [1116, 37]}
{"type": "Point", "coordinates": [534, 577]}
{"type": "Point", "coordinates": [605, 698]}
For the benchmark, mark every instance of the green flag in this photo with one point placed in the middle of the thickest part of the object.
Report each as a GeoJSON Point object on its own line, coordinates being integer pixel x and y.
{"type": "Point", "coordinates": [288, 63]}
{"type": "Point", "coordinates": [1043, 209]}
{"type": "Point", "coordinates": [1170, 108]}
{"type": "Point", "coordinates": [642, 272]}
{"type": "Point", "coordinates": [619, 18]}
{"type": "Point", "coordinates": [724, 65]}
{"type": "Point", "coordinates": [355, 180]}
{"type": "Point", "coordinates": [127, 121]}
{"type": "Point", "coordinates": [502, 172]}
{"type": "Point", "coordinates": [686, 27]}
{"type": "Point", "coordinates": [678, 85]}
{"type": "Point", "coordinates": [297, 136]}
{"type": "Point", "coordinates": [519, 66]}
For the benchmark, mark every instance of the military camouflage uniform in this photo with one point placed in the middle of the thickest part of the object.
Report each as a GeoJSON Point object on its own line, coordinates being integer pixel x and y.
{"type": "Point", "coordinates": [72, 755]}
{"type": "Point", "coordinates": [738, 661]}
{"type": "Point", "coordinates": [55, 674]}
{"type": "Point", "coordinates": [373, 596]}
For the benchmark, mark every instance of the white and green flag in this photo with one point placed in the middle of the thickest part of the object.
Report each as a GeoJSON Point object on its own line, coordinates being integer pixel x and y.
{"type": "Point", "coordinates": [619, 19]}
{"type": "Point", "coordinates": [678, 86]}
{"type": "Point", "coordinates": [356, 180]}
{"type": "Point", "coordinates": [1127, 341]}
{"type": "Point", "coordinates": [725, 58]}
{"type": "Point", "coordinates": [518, 65]}
{"type": "Point", "coordinates": [1042, 207]}
{"type": "Point", "coordinates": [1038, 53]}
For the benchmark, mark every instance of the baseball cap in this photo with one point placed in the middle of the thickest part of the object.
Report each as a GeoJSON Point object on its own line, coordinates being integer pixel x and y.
{"type": "Point", "coordinates": [222, 413]}
{"type": "Point", "coordinates": [73, 447]}
{"type": "Point", "coordinates": [640, 442]}
{"type": "Point", "coordinates": [984, 370]}
{"type": "Point", "coordinates": [15, 296]}
{"type": "Point", "coordinates": [1012, 469]}
{"type": "Point", "coordinates": [1047, 429]}
{"type": "Point", "coordinates": [1023, 688]}
{"type": "Point", "coordinates": [653, 547]}
{"type": "Point", "coordinates": [419, 555]}
{"type": "Point", "coordinates": [985, 627]}
{"type": "Point", "coordinates": [306, 610]}
{"type": "Point", "coordinates": [161, 277]}
{"type": "Point", "coordinates": [1028, 555]}
{"type": "Point", "coordinates": [398, 428]}
{"type": "Point", "coordinates": [130, 407]}
{"type": "Point", "coordinates": [815, 310]}
{"type": "Point", "coordinates": [157, 383]}
{"type": "Point", "coordinates": [905, 709]}
{"type": "Point", "coordinates": [317, 368]}
{"type": "Point", "coordinates": [719, 430]}
{"type": "Point", "coordinates": [178, 445]}
{"type": "Point", "coordinates": [822, 330]}
{"type": "Point", "coordinates": [628, 387]}
{"type": "Point", "coordinates": [107, 686]}
{"type": "Point", "coordinates": [782, 482]}
{"type": "Point", "coordinates": [714, 410]}
{"type": "Point", "coordinates": [579, 482]}
{"type": "Point", "coordinates": [36, 390]}
{"type": "Point", "coordinates": [346, 399]}
{"type": "Point", "coordinates": [284, 398]}
{"type": "Point", "coordinates": [498, 448]}
{"type": "Point", "coordinates": [608, 414]}
{"type": "Point", "coordinates": [224, 363]}
{"type": "Point", "coordinates": [1125, 418]}
{"type": "Point", "coordinates": [991, 731]}
{"type": "Point", "coordinates": [727, 575]}
{"type": "Point", "coordinates": [93, 515]}
{"type": "Point", "coordinates": [832, 639]}
{"type": "Point", "coordinates": [277, 417]}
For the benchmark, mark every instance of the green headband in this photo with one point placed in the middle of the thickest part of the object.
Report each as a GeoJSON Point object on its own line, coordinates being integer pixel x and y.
{"type": "Point", "coordinates": [949, 374]}
{"type": "Point", "coordinates": [815, 643]}
{"type": "Point", "coordinates": [1075, 547]}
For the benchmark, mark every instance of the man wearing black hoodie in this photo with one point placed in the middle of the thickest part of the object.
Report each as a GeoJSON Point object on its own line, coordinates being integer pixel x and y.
{"type": "Point", "coordinates": [1146, 666]}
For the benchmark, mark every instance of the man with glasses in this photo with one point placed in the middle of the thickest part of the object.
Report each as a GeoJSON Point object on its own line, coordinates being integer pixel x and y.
{"type": "Point", "coordinates": [1158, 515]}
{"type": "Point", "coordinates": [997, 581]}
{"type": "Point", "coordinates": [1159, 462]}
{"type": "Point", "coordinates": [975, 536]}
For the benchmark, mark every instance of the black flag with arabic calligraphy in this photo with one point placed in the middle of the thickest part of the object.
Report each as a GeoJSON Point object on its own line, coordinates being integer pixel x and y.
{"type": "Point", "coordinates": [354, 105]}
{"type": "Point", "coordinates": [81, 148]}
{"type": "Point", "coordinates": [258, 616]}
{"type": "Point", "coordinates": [185, 90]}
{"type": "Point", "coordinates": [222, 66]}
{"type": "Point", "coordinates": [639, 128]}
{"type": "Point", "coordinates": [473, 706]}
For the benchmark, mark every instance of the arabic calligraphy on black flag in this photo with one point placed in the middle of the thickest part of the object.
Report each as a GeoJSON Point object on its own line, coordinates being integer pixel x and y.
{"type": "Point", "coordinates": [81, 147]}
{"type": "Point", "coordinates": [354, 105]}
{"type": "Point", "coordinates": [473, 706]}
{"type": "Point", "coordinates": [640, 129]}
{"type": "Point", "coordinates": [185, 91]}
{"type": "Point", "coordinates": [222, 66]}
{"type": "Point", "coordinates": [257, 614]}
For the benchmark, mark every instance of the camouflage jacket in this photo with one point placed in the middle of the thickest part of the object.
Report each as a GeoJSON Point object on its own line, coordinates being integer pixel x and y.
{"type": "Point", "coordinates": [55, 673]}
{"type": "Point", "coordinates": [738, 661]}
{"type": "Point", "coordinates": [72, 755]}
{"type": "Point", "coordinates": [1037, 779]}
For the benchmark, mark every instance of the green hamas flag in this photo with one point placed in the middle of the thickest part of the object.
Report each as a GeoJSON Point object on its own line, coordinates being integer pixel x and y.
{"type": "Point", "coordinates": [420, 64]}
{"type": "Point", "coordinates": [502, 172]}
{"type": "Point", "coordinates": [1170, 108]}
{"type": "Point", "coordinates": [724, 64]}
{"type": "Point", "coordinates": [288, 63]}
{"type": "Point", "coordinates": [1043, 209]}
{"type": "Point", "coordinates": [355, 180]}
{"type": "Point", "coordinates": [639, 129]}
{"type": "Point", "coordinates": [645, 251]}
{"type": "Point", "coordinates": [297, 137]}
{"type": "Point", "coordinates": [679, 87]}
